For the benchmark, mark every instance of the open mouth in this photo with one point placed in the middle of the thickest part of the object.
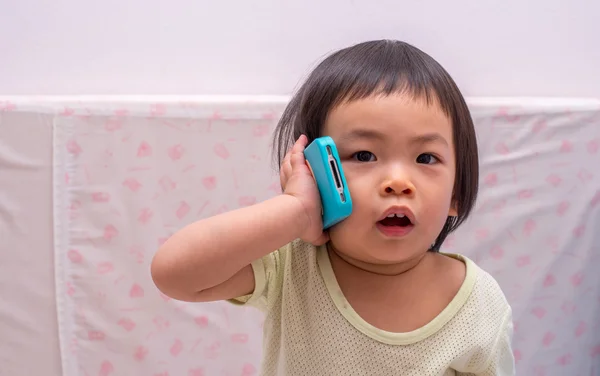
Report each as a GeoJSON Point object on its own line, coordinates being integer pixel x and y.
{"type": "Point", "coordinates": [395, 220]}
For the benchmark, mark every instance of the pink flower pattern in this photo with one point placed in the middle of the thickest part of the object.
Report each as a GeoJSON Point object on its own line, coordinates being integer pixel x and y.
{"type": "Point", "coordinates": [534, 229]}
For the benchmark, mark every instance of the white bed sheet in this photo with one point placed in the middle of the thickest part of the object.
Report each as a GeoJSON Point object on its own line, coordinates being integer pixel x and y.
{"type": "Point", "coordinates": [130, 171]}
{"type": "Point", "coordinates": [28, 320]}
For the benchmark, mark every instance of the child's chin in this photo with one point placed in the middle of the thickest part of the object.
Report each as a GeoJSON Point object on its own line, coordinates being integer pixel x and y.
{"type": "Point", "coordinates": [382, 255]}
{"type": "Point", "coordinates": [392, 254]}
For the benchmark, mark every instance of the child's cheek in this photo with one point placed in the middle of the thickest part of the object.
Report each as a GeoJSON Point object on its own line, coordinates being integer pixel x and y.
{"type": "Point", "coordinates": [358, 183]}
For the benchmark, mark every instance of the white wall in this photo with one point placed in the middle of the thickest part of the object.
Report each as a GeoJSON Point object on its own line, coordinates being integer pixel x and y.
{"type": "Point", "coordinates": [492, 48]}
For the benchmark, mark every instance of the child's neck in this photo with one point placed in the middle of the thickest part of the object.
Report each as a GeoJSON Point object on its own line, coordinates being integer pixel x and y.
{"type": "Point", "coordinates": [407, 267]}
{"type": "Point", "coordinates": [399, 298]}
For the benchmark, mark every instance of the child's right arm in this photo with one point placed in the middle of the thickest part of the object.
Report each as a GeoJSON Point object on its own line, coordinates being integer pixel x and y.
{"type": "Point", "coordinates": [211, 259]}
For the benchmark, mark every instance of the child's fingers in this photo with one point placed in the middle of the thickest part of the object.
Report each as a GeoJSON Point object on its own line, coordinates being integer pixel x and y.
{"type": "Point", "coordinates": [286, 167]}
{"type": "Point", "coordinates": [282, 180]}
{"type": "Point", "coordinates": [300, 144]}
{"type": "Point", "coordinates": [324, 238]}
{"type": "Point", "coordinates": [297, 153]}
{"type": "Point", "coordinates": [284, 175]}
{"type": "Point", "coordinates": [285, 171]}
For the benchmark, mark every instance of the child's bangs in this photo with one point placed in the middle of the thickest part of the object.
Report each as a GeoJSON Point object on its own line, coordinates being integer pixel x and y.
{"type": "Point", "coordinates": [385, 87]}
{"type": "Point", "coordinates": [386, 69]}
{"type": "Point", "coordinates": [377, 68]}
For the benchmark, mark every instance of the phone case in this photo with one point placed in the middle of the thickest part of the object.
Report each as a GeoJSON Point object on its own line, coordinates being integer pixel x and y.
{"type": "Point", "coordinates": [324, 162]}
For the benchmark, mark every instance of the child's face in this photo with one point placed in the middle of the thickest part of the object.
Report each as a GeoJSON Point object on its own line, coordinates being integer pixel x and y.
{"type": "Point", "coordinates": [398, 155]}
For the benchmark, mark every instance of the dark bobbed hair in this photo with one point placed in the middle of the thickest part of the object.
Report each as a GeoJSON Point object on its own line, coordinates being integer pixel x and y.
{"type": "Point", "coordinates": [384, 67]}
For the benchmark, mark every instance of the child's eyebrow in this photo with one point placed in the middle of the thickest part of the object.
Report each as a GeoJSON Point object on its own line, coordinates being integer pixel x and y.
{"type": "Point", "coordinates": [362, 134]}
{"type": "Point", "coordinates": [429, 138]}
{"type": "Point", "coordinates": [378, 136]}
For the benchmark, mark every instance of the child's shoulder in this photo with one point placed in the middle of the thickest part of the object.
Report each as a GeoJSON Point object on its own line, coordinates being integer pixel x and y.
{"type": "Point", "coordinates": [294, 255]}
{"type": "Point", "coordinates": [481, 290]}
{"type": "Point", "coordinates": [452, 270]}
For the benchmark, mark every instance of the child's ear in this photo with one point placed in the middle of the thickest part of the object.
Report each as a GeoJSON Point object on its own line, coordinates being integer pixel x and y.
{"type": "Point", "coordinates": [453, 212]}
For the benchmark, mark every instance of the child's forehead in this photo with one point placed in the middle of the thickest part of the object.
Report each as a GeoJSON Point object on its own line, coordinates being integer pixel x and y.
{"type": "Point", "coordinates": [366, 133]}
{"type": "Point", "coordinates": [382, 116]}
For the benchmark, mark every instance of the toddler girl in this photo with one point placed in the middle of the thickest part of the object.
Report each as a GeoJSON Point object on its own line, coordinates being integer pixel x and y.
{"type": "Point", "coordinates": [372, 295]}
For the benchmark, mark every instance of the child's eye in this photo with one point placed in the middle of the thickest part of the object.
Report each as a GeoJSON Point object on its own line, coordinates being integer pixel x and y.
{"type": "Point", "coordinates": [427, 158]}
{"type": "Point", "coordinates": [364, 156]}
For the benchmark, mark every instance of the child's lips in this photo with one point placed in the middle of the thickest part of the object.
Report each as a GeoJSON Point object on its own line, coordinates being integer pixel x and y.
{"type": "Point", "coordinates": [396, 227]}
{"type": "Point", "coordinates": [394, 220]}
{"type": "Point", "coordinates": [398, 210]}
{"type": "Point", "coordinates": [394, 231]}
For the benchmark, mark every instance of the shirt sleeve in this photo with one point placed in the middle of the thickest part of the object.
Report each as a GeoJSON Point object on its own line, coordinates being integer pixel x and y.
{"type": "Point", "coordinates": [501, 360]}
{"type": "Point", "coordinates": [267, 282]}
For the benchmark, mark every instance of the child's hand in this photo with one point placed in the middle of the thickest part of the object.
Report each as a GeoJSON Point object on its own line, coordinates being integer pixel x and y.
{"type": "Point", "coordinates": [297, 181]}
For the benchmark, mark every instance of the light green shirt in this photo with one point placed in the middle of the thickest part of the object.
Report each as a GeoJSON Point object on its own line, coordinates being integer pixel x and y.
{"type": "Point", "coordinates": [311, 329]}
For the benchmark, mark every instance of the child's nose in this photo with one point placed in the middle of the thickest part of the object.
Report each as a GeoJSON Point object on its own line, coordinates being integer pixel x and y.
{"type": "Point", "coordinates": [397, 184]}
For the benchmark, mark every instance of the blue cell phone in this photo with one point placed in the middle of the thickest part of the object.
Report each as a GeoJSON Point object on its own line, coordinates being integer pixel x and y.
{"type": "Point", "coordinates": [324, 162]}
